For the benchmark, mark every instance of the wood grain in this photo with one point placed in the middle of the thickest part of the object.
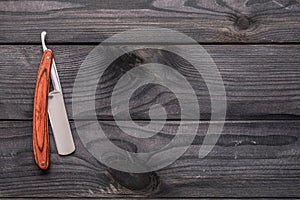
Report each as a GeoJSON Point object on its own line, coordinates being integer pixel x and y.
{"type": "Point", "coordinates": [255, 45]}
{"type": "Point", "coordinates": [261, 81]}
{"type": "Point", "coordinates": [40, 135]}
{"type": "Point", "coordinates": [251, 159]}
{"type": "Point", "coordinates": [217, 21]}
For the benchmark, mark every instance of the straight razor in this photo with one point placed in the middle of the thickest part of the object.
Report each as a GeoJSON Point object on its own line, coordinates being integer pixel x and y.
{"type": "Point", "coordinates": [57, 112]}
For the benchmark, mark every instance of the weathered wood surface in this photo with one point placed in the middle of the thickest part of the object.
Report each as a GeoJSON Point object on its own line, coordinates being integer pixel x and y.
{"type": "Point", "coordinates": [255, 44]}
{"type": "Point", "coordinates": [261, 81]}
{"type": "Point", "coordinates": [205, 21]}
{"type": "Point", "coordinates": [256, 159]}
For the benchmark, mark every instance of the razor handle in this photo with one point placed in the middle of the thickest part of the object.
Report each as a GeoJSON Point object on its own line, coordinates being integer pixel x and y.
{"type": "Point", "coordinates": [40, 135]}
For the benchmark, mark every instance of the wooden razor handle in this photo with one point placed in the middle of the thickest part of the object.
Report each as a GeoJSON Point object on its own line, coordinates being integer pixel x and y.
{"type": "Point", "coordinates": [40, 136]}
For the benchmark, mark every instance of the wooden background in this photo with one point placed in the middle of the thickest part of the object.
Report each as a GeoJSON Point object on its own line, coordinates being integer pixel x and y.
{"type": "Point", "coordinates": [254, 43]}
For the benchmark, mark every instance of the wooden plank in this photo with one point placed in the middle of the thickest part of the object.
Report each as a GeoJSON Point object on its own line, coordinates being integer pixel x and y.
{"type": "Point", "coordinates": [205, 21]}
{"type": "Point", "coordinates": [250, 159]}
{"type": "Point", "coordinates": [261, 81]}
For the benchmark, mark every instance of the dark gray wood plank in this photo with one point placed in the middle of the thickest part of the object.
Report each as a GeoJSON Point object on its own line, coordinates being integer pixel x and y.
{"type": "Point", "coordinates": [261, 82]}
{"type": "Point", "coordinates": [250, 159]}
{"type": "Point", "coordinates": [205, 21]}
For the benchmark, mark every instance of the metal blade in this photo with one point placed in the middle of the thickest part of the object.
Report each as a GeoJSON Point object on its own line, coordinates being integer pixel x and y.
{"type": "Point", "coordinates": [60, 124]}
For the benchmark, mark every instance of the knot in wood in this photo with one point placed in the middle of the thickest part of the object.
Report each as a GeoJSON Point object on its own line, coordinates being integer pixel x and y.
{"type": "Point", "coordinates": [243, 22]}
